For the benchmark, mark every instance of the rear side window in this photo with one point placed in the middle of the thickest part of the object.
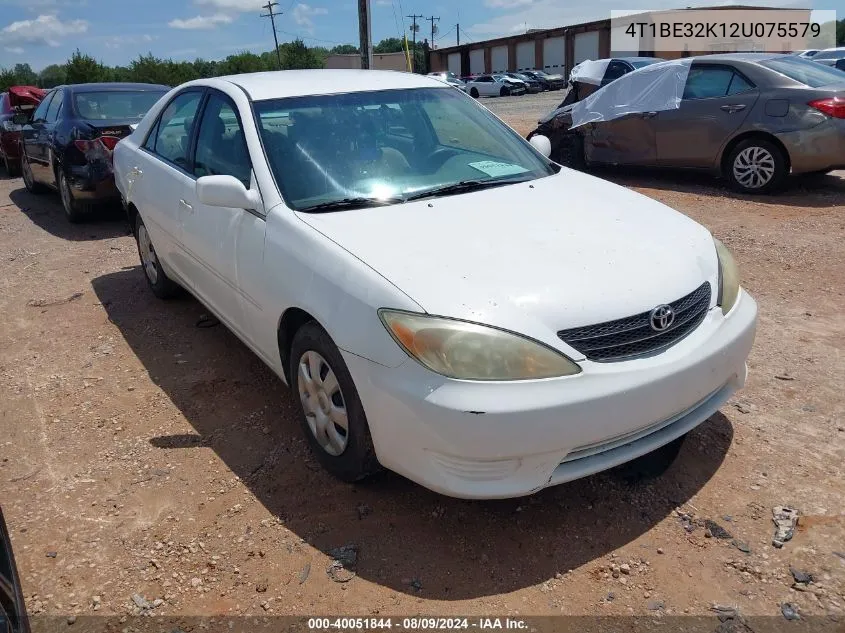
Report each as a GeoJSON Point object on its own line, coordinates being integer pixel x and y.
{"type": "Point", "coordinates": [40, 113]}
{"type": "Point", "coordinates": [221, 146]}
{"type": "Point", "coordinates": [614, 71]}
{"type": "Point", "coordinates": [171, 136]}
{"type": "Point", "coordinates": [55, 106]}
{"type": "Point", "coordinates": [707, 82]}
{"type": "Point", "coordinates": [807, 72]}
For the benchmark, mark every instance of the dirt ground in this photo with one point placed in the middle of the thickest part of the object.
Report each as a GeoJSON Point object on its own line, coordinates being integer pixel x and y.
{"type": "Point", "coordinates": [141, 454]}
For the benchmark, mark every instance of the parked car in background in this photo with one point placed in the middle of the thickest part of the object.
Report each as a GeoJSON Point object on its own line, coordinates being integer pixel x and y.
{"type": "Point", "coordinates": [495, 86]}
{"type": "Point", "coordinates": [829, 56]}
{"type": "Point", "coordinates": [67, 145]}
{"type": "Point", "coordinates": [15, 108]}
{"type": "Point", "coordinates": [806, 53]}
{"type": "Point", "coordinates": [548, 81]}
{"type": "Point", "coordinates": [751, 117]}
{"type": "Point", "coordinates": [450, 78]}
{"type": "Point", "coordinates": [531, 85]}
{"type": "Point", "coordinates": [590, 75]}
{"type": "Point", "coordinates": [559, 341]}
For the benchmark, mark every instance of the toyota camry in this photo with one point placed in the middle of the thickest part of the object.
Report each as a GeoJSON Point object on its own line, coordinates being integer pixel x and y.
{"type": "Point", "coordinates": [443, 300]}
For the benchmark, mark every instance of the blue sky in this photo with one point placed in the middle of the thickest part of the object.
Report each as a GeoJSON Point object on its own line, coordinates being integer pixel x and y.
{"type": "Point", "coordinates": [42, 32]}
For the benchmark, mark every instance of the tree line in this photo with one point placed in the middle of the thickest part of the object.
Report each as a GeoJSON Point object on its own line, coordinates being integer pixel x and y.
{"type": "Point", "coordinates": [83, 68]}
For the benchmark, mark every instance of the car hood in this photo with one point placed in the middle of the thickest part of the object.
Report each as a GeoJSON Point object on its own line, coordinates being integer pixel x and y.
{"type": "Point", "coordinates": [559, 252]}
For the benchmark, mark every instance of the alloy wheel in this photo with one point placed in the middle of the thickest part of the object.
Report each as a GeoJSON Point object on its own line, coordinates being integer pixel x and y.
{"type": "Point", "coordinates": [27, 173]}
{"type": "Point", "coordinates": [323, 403]}
{"type": "Point", "coordinates": [754, 167]}
{"type": "Point", "coordinates": [64, 192]}
{"type": "Point", "coordinates": [148, 254]}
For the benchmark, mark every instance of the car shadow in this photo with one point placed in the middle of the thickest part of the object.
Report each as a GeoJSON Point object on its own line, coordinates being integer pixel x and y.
{"type": "Point", "coordinates": [805, 190]}
{"type": "Point", "coordinates": [408, 537]}
{"type": "Point", "coordinates": [45, 210]}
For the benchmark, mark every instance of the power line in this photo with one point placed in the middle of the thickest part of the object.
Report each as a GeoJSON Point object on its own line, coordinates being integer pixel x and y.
{"type": "Point", "coordinates": [449, 32]}
{"type": "Point", "coordinates": [469, 39]}
{"type": "Point", "coordinates": [269, 6]}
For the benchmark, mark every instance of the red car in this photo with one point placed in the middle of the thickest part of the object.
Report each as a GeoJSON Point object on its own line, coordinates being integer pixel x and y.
{"type": "Point", "coordinates": [15, 107]}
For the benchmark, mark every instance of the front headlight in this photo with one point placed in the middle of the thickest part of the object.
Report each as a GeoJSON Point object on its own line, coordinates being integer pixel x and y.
{"type": "Point", "coordinates": [469, 351]}
{"type": "Point", "coordinates": [728, 277]}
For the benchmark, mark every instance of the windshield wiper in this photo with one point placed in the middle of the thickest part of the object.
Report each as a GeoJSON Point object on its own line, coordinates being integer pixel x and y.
{"type": "Point", "coordinates": [350, 203]}
{"type": "Point", "coordinates": [465, 186]}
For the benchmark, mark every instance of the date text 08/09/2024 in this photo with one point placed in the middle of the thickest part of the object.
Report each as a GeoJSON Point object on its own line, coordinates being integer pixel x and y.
{"type": "Point", "coordinates": [418, 623]}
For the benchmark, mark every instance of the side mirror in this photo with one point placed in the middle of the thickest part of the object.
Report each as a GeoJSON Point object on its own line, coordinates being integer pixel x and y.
{"type": "Point", "coordinates": [12, 609]}
{"type": "Point", "coordinates": [542, 144]}
{"type": "Point", "coordinates": [227, 191]}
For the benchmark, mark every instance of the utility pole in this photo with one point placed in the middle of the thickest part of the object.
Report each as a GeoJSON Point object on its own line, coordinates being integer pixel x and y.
{"type": "Point", "coordinates": [458, 31]}
{"type": "Point", "coordinates": [365, 34]}
{"type": "Point", "coordinates": [270, 6]}
{"type": "Point", "coordinates": [414, 30]}
{"type": "Point", "coordinates": [433, 19]}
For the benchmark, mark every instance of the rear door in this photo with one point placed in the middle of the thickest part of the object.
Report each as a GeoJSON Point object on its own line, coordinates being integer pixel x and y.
{"type": "Point", "coordinates": [717, 99]}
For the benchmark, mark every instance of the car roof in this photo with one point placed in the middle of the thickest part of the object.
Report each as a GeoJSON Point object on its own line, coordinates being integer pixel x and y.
{"type": "Point", "coordinates": [295, 83]}
{"type": "Point", "coordinates": [113, 87]}
{"type": "Point", "coordinates": [638, 59]}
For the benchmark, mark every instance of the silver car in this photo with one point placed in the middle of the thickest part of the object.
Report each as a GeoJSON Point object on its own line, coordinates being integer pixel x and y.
{"type": "Point", "coordinates": [754, 118]}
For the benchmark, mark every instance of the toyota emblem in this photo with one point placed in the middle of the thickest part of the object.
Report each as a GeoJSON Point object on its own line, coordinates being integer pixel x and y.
{"type": "Point", "coordinates": [662, 318]}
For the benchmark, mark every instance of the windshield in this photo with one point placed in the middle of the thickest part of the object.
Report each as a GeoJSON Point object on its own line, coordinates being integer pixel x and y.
{"type": "Point", "coordinates": [114, 105]}
{"type": "Point", "coordinates": [388, 145]}
{"type": "Point", "coordinates": [804, 71]}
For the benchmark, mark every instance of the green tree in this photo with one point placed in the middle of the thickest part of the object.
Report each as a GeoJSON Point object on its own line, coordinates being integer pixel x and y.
{"type": "Point", "coordinates": [83, 69]}
{"type": "Point", "coordinates": [52, 75]}
{"type": "Point", "coordinates": [25, 74]}
{"type": "Point", "coordinates": [344, 49]}
{"type": "Point", "coordinates": [297, 55]}
{"type": "Point", "coordinates": [244, 62]}
{"type": "Point", "coordinates": [390, 45]}
{"type": "Point", "coordinates": [840, 32]}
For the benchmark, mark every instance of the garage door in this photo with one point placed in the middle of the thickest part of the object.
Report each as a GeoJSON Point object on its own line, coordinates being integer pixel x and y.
{"type": "Point", "coordinates": [455, 63]}
{"type": "Point", "coordinates": [476, 61]}
{"type": "Point", "coordinates": [554, 55]}
{"type": "Point", "coordinates": [525, 56]}
{"type": "Point", "coordinates": [586, 46]}
{"type": "Point", "coordinates": [499, 59]}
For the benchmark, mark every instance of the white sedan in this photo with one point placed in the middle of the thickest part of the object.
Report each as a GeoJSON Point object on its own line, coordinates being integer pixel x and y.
{"type": "Point", "coordinates": [444, 300]}
{"type": "Point", "coordinates": [495, 86]}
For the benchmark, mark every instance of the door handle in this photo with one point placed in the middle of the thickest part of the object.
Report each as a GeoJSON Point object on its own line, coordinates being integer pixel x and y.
{"type": "Point", "coordinates": [736, 107]}
{"type": "Point", "coordinates": [648, 115]}
{"type": "Point", "coordinates": [186, 205]}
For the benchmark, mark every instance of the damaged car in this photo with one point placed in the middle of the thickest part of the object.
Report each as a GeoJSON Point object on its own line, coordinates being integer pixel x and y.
{"type": "Point", "coordinates": [753, 118]}
{"type": "Point", "coordinates": [15, 107]}
{"type": "Point", "coordinates": [590, 75]}
{"type": "Point", "coordinates": [68, 141]}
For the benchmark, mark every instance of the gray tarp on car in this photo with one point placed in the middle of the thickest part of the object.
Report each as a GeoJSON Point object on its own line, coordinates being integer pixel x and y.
{"type": "Point", "coordinates": [650, 89]}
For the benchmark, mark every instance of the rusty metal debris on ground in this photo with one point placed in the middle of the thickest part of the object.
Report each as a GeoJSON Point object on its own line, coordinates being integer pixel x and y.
{"type": "Point", "coordinates": [785, 520]}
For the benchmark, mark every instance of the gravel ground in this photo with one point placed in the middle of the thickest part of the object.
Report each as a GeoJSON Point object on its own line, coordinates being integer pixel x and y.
{"type": "Point", "coordinates": [148, 465]}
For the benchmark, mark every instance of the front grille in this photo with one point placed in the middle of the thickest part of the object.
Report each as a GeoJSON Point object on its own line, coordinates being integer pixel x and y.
{"type": "Point", "coordinates": [626, 338]}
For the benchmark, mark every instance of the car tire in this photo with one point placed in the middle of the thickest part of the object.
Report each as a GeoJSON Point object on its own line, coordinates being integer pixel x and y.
{"type": "Point", "coordinates": [321, 380]}
{"type": "Point", "coordinates": [756, 166]}
{"type": "Point", "coordinates": [655, 464]}
{"type": "Point", "coordinates": [473, 92]}
{"type": "Point", "coordinates": [504, 92]}
{"type": "Point", "coordinates": [12, 170]}
{"type": "Point", "coordinates": [162, 286]}
{"type": "Point", "coordinates": [29, 179]}
{"type": "Point", "coordinates": [75, 211]}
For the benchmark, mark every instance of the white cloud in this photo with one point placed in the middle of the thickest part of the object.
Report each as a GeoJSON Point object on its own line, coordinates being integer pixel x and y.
{"type": "Point", "coordinates": [44, 30]}
{"type": "Point", "coordinates": [384, 3]}
{"type": "Point", "coordinates": [16, 50]}
{"type": "Point", "coordinates": [303, 14]}
{"type": "Point", "coordinates": [201, 22]}
{"type": "Point", "coordinates": [234, 5]}
{"type": "Point", "coordinates": [119, 41]}
{"type": "Point", "coordinates": [506, 4]}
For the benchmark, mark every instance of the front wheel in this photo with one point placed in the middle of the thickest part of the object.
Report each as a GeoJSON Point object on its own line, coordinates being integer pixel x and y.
{"type": "Point", "coordinates": [504, 92]}
{"type": "Point", "coordinates": [756, 166]}
{"type": "Point", "coordinates": [473, 92]}
{"type": "Point", "coordinates": [162, 286]}
{"type": "Point", "coordinates": [332, 416]}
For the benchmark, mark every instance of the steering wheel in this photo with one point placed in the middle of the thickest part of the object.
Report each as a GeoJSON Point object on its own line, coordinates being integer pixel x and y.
{"type": "Point", "coordinates": [440, 155]}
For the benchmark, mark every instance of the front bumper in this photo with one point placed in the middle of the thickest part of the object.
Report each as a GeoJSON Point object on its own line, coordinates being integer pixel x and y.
{"type": "Point", "coordinates": [507, 439]}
